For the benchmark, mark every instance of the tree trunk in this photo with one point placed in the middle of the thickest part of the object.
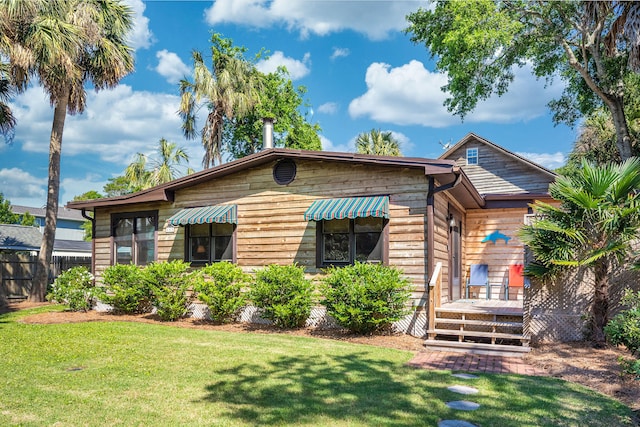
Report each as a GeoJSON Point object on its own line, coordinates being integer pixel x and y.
{"type": "Point", "coordinates": [600, 307]}
{"type": "Point", "coordinates": [623, 139]}
{"type": "Point", "coordinates": [40, 281]}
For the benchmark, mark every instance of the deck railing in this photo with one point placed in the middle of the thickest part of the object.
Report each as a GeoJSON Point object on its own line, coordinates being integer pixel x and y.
{"type": "Point", "coordinates": [435, 286]}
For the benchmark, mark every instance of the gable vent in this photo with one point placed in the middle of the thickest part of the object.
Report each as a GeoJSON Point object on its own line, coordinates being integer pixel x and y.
{"type": "Point", "coordinates": [284, 172]}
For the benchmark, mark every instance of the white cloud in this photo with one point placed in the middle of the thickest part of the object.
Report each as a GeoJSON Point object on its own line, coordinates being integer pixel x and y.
{"type": "Point", "coordinates": [22, 188]}
{"type": "Point", "coordinates": [116, 124]}
{"type": "Point", "coordinates": [171, 67]}
{"type": "Point", "coordinates": [328, 145]}
{"type": "Point", "coordinates": [339, 52]}
{"type": "Point", "coordinates": [328, 108]}
{"type": "Point", "coordinates": [72, 187]}
{"type": "Point", "coordinates": [297, 69]}
{"type": "Point", "coordinates": [548, 160]}
{"type": "Point", "coordinates": [405, 95]}
{"type": "Point", "coordinates": [141, 36]}
{"type": "Point", "coordinates": [412, 95]}
{"type": "Point", "coordinates": [375, 19]}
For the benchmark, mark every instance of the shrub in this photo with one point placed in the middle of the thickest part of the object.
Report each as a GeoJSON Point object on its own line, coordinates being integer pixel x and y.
{"type": "Point", "coordinates": [125, 290]}
{"type": "Point", "coordinates": [624, 328]}
{"type": "Point", "coordinates": [75, 288]}
{"type": "Point", "coordinates": [284, 294]}
{"type": "Point", "coordinates": [365, 297]}
{"type": "Point", "coordinates": [169, 283]}
{"type": "Point", "coordinates": [222, 290]}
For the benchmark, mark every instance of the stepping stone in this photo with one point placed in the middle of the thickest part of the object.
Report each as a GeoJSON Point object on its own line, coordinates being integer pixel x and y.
{"type": "Point", "coordinates": [466, 376]}
{"type": "Point", "coordinates": [463, 405]}
{"type": "Point", "coordinates": [462, 389]}
{"type": "Point", "coordinates": [455, 423]}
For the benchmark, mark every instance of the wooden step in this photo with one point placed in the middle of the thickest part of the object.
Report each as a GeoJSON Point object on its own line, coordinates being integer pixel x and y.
{"type": "Point", "coordinates": [477, 348]}
{"type": "Point", "coordinates": [476, 322]}
{"type": "Point", "coordinates": [488, 311]}
{"type": "Point", "coordinates": [478, 334]}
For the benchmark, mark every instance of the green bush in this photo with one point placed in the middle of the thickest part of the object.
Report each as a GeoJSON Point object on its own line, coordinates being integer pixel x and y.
{"type": "Point", "coordinates": [365, 297]}
{"type": "Point", "coordinates": [126, 291]}
{"type": "Point", "coordinates": [624, 329]}
{"type": "Point", "coordinates": [222, 290]}
{"type": "Point", "coordinates": [284, 294]}
{"type": "Point", "coordinates": [75, 288]}
{"type": "Point", "coordinates": [170, 283]}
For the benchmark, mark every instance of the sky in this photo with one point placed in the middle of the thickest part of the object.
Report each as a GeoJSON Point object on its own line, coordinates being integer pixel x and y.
{"type": "Point", "coordinates": [360, 69]}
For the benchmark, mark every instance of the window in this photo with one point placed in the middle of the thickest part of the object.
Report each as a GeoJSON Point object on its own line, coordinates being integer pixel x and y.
{"type": "Point", "coordinates": [207, 243]}
{"type": "Point", "coordinates": [344, 241]}
{"type": "Point", "coordinates": [472, 156]}
{"type": "Point", "coordinates": [134, 237]}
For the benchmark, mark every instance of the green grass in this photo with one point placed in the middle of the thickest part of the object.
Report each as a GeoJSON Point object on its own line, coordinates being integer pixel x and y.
{"type": "Point", "coordinates": [123, 374]}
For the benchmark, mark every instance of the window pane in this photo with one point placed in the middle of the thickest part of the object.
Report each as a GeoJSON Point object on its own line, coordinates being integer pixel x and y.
{"type": "Point", "coordinates": [123, 238]}
{"type": "Point", "coordinates": [335, 239]}
{"type": "Point", "coordinates": [224, 229]}
{"type": "Point", "coordinates": [336, 226]}
{"type": "Point", "coordinates": [369, 247]}
{"type": "Point", "coordinates": [223, 248]}
{"type": "Point", "coordinates": [196, 230]}
{"type": "Point", "coordinates": [145, 240]}
{"type": "Point", "coordinates": [145, 252]}
{"type": "Point", "coordinates": [368, 224]}
{"type": "Point", "coordinates": [199, 249]}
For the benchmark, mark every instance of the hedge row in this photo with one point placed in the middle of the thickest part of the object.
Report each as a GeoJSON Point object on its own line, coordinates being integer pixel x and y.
{"type": "Point", "coordinates": [362, 298]}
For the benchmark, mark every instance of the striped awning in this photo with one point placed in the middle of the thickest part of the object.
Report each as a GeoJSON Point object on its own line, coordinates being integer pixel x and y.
{"type": "Point", "coordinates": [206, 215]}
{"type": "Point", "coordinates": [351, 207]}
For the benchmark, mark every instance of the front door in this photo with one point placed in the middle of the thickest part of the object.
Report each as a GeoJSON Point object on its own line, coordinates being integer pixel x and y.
{"type": "Point", "coordinates": [455, 255]}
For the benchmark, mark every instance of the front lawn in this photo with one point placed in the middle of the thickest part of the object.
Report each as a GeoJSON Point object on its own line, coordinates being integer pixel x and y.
{"type": "Point", "coordinates": [122, 374]}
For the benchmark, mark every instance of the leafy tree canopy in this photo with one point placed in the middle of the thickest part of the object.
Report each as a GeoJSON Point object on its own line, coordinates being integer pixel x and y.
{"type": "Point", "coordinates": [8, 217]}
{"type": "Point", "coordinates": [378, 142]}
{"type": "Point", "coordinates": [595, 226]}
{"type": "Point", "coordinates": [237, 97]}
{"type": "Point", "coordinates": [592, 45]}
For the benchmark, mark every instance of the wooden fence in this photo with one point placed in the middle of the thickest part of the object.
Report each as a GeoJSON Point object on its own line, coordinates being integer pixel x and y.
{"type": "Point", "coordinates": [17, 272]}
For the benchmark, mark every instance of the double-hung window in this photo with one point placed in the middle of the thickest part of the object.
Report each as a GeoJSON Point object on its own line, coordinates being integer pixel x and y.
{"type": "Point", "coordinates": [134, 237]}
{"type": "Point", "coordinates": [472, 156]}
{"type": "Point", "coordinates": [209, 243]}
{"type": "Point", "coordinates": [350, 229]}
{"type": "Point", "coordinates": [344, 241]}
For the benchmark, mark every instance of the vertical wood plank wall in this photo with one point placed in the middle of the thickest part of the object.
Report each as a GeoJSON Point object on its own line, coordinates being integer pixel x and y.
{"type": "Point", "coordinates": [498, 256]}
{"type": "Point", "coordinates": [271, 227]}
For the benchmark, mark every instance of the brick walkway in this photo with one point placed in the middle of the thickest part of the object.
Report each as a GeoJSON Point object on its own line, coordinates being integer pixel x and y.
{"type": "Point", "coordinates": [466, 362]}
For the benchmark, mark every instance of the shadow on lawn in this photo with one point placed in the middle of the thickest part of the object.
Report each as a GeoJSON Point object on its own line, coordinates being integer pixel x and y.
{"type": "Point", "coordinates": [330, 389]}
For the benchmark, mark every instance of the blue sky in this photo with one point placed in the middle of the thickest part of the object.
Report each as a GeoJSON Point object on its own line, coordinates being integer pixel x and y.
{"type": "Point", "coordinates": [361, 72]}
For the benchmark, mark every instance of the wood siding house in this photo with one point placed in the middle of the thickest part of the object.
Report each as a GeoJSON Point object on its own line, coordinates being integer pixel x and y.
{"type": "Point", "coordinates": [423, 212]}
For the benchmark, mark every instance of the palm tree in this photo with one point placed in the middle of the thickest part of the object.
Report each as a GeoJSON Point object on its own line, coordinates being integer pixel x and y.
{"type": "Point", "coordinates": [64, 44]}
{"type": "Point", "coordinates": [594, 227]}
{"type": "Point", "coordinates": [230, 90]}
{"type": "Point", "coordinates": [144, 172]}
{"type": "Point", "coordinates": [7, 90]}
{"type": "Point", "coordinates": [377, 142]}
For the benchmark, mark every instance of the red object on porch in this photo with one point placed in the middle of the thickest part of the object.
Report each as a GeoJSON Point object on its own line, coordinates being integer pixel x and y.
{"type": "Point", "coordinates": [516, 278]}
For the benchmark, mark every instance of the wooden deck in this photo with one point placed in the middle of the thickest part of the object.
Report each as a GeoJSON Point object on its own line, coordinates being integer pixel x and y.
{"type": "Point", "coordinates": [479, 326]}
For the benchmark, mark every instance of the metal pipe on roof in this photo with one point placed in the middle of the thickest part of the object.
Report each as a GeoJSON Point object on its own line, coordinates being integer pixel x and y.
{"type": "Point", "coordinates": [267, 133]}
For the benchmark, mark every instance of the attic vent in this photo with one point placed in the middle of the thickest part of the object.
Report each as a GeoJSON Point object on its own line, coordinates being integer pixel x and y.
{"type": "Point", "coordinates": [284, 172]}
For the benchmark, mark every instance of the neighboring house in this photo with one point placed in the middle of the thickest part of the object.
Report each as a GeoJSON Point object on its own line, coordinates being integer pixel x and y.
{"type": "Point", "coordinates": [68, 225]}
{"type": "Point", "coordinates": [318, 209]}
{"type": "Point", "coordinates": [19, 238]}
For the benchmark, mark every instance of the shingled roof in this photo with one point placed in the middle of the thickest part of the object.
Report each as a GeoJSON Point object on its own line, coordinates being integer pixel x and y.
{"type": "Point", "coordinates": [19, 238]}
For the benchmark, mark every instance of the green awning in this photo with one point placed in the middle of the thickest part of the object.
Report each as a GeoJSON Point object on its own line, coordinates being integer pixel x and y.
{"type": "Point", "coordinates": [206, 215]}
{"type": "Point", "coordinates": [350, 207]}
